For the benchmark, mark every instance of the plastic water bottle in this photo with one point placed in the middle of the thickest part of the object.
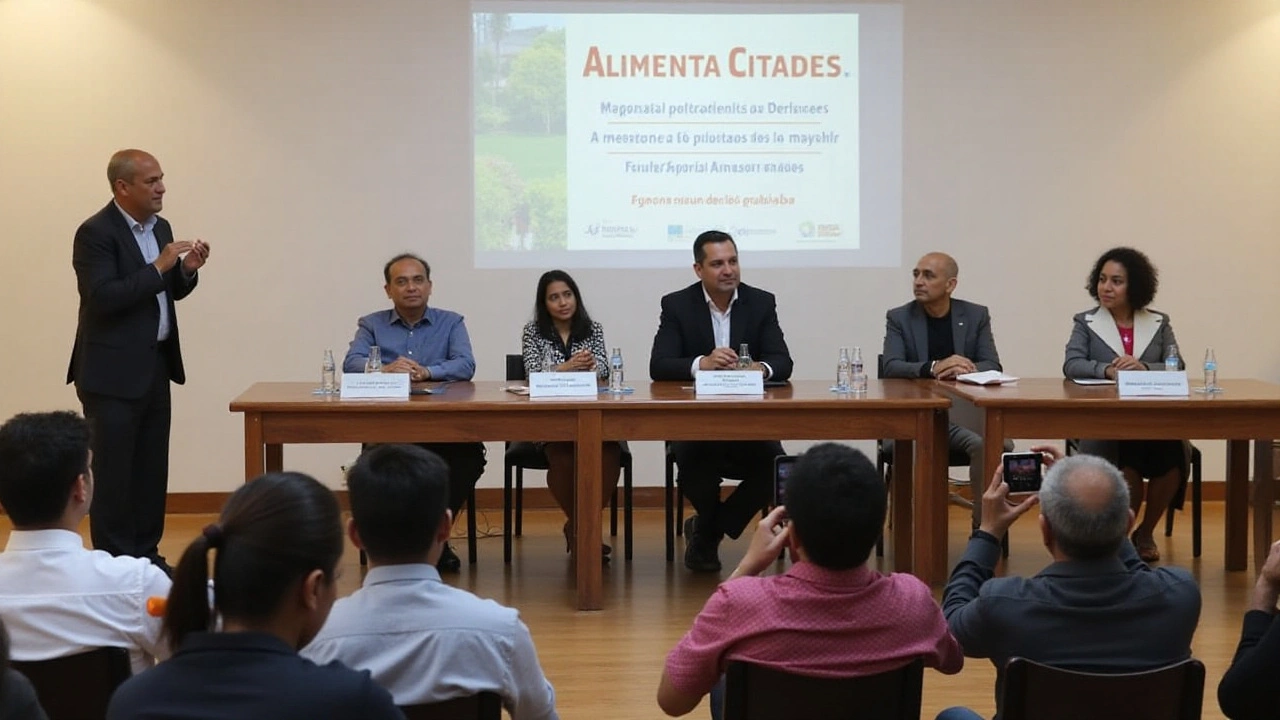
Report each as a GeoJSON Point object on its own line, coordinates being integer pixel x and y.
{"type": "Point", "coordinates": [857, 373]}
{"type": "Point", "coordinates": [1210, 372]}
{"type": "Point", "coordinates": [1171, 359]}
{"type": "Point", "coordinates": [328, 374]}
{"type": "Point", "coordinates": [550, 359]}
{"type": "Point", "coordinates": [373, 363]}
{"type": "Point", "coordinates": [615, 371]}
{"type": "Point", "coordinates": [844, 369]}
{"type": "Point", "coordinates": [744, 357]}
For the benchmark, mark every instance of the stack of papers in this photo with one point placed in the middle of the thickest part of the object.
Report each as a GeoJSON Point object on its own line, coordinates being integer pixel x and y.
{"type": "Point", "coordinates": [988, 377]}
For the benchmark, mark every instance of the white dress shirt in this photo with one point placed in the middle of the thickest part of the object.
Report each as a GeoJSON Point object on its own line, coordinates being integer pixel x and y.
{"type": "Point", "coordinates": [58, 598]}
{"type": "Point", "coordinates": [426, 641]}
{"type": "Point", "coordinates": [144, 234]}
{"type": "Point", "coordinates": [720, 324]}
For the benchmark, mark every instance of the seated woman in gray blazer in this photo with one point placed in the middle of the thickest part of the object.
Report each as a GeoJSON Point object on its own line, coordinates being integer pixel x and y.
{"type": "Point", "coordinates": [563, 336]}
{"type": "Point", "coordinates": [1122, 334]}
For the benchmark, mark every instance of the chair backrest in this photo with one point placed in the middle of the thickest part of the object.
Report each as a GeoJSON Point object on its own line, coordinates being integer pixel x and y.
{"type": "Point", "coordinates": [515, 368]}
{"type": "Point", "coordinates": [753, 692]}
{"type": "Point", "coordinates": [1033, 690]}
{"type": "Point", "coordinates": [77, 686]}
{"type": "Point", "coordinates": [484, 706]}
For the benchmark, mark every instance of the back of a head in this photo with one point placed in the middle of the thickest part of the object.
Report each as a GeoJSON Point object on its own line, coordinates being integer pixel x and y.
{"type": "Point", "coordinates": [41, 455]}
{"type": "Point", "coordinates": [836, 503]}
{"type": "Point", "coordinates": [273, 531]}
{"type": "Point", "coordinates": [398, 494]}
{"type": "Point", "coordinates": [1085, 499]}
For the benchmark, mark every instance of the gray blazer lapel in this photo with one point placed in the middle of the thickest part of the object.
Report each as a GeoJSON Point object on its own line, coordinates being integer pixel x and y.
{"type": "Point", "coordinates": [1146, 326]}
{"type": "Point", "coordinates": [920, 333]}
{"type": "Point", "coordinates": [1102, 324]}
{"type": "Point", "coordinates": [960, 329]}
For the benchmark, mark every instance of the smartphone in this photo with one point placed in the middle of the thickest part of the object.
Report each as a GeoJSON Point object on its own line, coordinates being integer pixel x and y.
{"type": "Point", "coordinates": [781, 470]}
{"type": "Point", "coordinates": [1023, 472]}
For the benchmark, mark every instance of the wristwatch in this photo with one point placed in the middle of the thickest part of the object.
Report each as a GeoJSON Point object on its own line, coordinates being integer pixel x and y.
{"type": "Point", "coordinates": [931, 373]}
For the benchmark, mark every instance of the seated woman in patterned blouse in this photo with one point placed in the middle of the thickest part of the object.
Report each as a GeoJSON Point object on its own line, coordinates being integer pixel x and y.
{"type": "Point", "coordinates": [563, 338]}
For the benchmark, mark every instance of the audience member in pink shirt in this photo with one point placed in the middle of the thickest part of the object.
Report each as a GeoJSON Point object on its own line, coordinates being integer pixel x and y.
{"type": "Point", "coordinates": [830, 614]}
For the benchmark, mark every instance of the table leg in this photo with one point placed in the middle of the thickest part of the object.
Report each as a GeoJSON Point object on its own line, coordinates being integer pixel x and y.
{"type": "Point", "coordinates": [275, 457]}
{"type": "Point", "coordinates": [933, 459]}
{"type": "Point", "coordinates": [1263, 500]}
{"type": "Point", "coordinates": [930, 511]}
{"type": "Point", "coordinates": [254, 451]}
{"type": "Point", "coordinates": [587, 503]}
{"type": "Point", "coordinates": [1237, 511]}
{"type": "Point", "coordinates": [901, 485]}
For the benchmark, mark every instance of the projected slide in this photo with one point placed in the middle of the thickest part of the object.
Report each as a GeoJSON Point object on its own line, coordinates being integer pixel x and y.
{"type": "Point", "coordinates": [613, 139]}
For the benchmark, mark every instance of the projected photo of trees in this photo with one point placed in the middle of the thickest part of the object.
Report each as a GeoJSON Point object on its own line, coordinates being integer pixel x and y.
{"type": "Point", "coordinates": [518, 104]}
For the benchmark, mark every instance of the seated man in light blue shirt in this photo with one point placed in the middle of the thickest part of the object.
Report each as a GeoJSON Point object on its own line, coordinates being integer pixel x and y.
{"type": "Point", "coordinates": [428, 344]}
{"type": "Point", "coordinates": [421, 639]}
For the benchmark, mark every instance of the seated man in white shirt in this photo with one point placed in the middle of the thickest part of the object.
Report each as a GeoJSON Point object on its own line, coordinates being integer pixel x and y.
{"type": "Point", "coordinates": [56, 597]}
{"type": "Point", "coordinates": [421, 639]}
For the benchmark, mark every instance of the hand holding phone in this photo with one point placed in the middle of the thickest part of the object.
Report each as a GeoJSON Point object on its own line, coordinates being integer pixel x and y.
{"type": "Point", "coordinates": [1023, 472]}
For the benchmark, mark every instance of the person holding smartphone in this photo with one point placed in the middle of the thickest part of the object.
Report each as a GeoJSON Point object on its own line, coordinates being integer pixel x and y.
{"type": "Point", "coordinates": [1098, 606]}
{"type": "Point", "coordinates": [830, 613]}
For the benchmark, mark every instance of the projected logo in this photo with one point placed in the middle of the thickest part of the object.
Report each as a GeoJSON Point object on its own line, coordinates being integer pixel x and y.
{"type": "Point", "coordinates": [820, 230]}
{"type": "Point", "coordinates": [611, 232]}
{"type": "Point", "coordinates": [742, 233]}
{"type": "Point", "coordinates": [675, 233]}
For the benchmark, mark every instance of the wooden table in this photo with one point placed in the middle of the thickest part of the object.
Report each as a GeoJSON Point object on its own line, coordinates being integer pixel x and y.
{"type": "Point", "coordinates": [1056, 408]}
{"type": "Point", "coordinates": [904, 410]}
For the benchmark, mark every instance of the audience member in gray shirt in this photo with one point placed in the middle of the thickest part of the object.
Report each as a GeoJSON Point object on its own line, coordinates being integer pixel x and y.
{"type": "Point", "coordinates": [1097, 608]}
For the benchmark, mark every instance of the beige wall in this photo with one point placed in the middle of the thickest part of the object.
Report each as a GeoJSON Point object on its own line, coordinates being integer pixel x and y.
{"type": "Point", "coordinates": [308, 141]}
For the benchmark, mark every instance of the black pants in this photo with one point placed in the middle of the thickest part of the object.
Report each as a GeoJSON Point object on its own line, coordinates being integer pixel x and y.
{"type": "Point", "coordinates": [703, 464]}
{"type": "Point", "coordinates": [130, 466]}
{"type": "Point", "coordinates": [466, 463]}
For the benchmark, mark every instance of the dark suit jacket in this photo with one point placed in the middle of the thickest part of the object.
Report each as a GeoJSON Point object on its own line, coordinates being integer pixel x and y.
{"type": "Point", "coordinates": [1115, 614]}
{"type": "Point", "coordinates": [114, 352]}
{"type": "Point", "coordinates": [906, 339]}
{"type": "Point", "coordinates": [684, 332]}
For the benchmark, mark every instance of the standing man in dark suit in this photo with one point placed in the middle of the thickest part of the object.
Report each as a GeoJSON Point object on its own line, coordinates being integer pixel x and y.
{"type": "Point", "coordinates": [129, 273]}
{"type": "Point", "coordinates": [937, 336]}
{"type": "Point", "coordinates": [699, 329]}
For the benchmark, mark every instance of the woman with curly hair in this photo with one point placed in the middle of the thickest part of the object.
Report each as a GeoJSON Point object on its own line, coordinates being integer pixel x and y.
{"type": "Point", "coordinates": [1121, 333]}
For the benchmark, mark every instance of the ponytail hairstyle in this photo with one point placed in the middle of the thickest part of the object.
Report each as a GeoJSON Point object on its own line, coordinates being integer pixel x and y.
{"type": "Point", "coordinates": [273, 532]}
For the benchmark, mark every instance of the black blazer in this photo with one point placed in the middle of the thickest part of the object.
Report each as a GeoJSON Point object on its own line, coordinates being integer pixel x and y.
{"type": "Point", "coordinates": [684, 332]}
{"type": "Point", "coordinates": [114, 352]}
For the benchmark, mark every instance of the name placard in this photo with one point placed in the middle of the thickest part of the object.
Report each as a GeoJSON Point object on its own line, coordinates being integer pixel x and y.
{"type": "Point", "coordinates": [729, 382]}
{"type": "Point", "coordinates": [1158, 383]}
{"type": "Point", "coordinates": [562, 384]}
{"type": "Point", "coordinates": [394, 386]}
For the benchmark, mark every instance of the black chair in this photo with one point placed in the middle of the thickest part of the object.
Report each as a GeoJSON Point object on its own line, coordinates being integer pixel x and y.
{"type": "Point", "coordinates": [1073, 446]}
{"type": "Point", "coordinates": [522, 455]}
{"type": "Point", "coordinates": [77, 686]}
{"type": "Point", "coordinates": [484, 706]}
{"type": "Point", "coordinates": [673, 499]}
{"type": "Point", "coordinates": [471, 531]}
{"type": "Point", "coordinates": [1032, 690]}
{"type": "Point", "coordinates": [753, 692]}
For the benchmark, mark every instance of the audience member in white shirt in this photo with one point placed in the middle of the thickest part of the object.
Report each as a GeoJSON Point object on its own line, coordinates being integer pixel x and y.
{"type": "Point", "coordinates": [423, 640]}
{"type": "Point", "coordinates": [57, 597]}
